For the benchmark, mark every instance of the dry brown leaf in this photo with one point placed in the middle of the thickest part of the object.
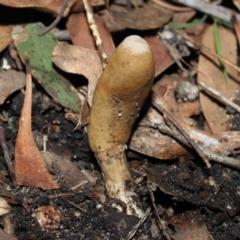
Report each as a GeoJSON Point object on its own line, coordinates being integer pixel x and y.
{"type": "Point", "coordinates": [189, 226]}
{"type": "Point", "coordinates": [69, 174]}
{"type": "Point", "coordinates": [79, 60]}
{"type": "Point", "coordinates": [5, 236]}
{"type": "Point", "coordinates": [81, 35]}
{"type": "Point", "coordinates": [161, 58]}
{"type": "Point", "coordinates": [183, 17]}
{"type": "Point", "coordinates": [11, 81]}
{"type": "Point", "coordinates": [189, 109]}
{"type": "Point", "coordinates": [150, 16]}
{"type": "Point", "coordinates": [79, 31]}
{"type": "Point", "coordinates": [5, 38]}
{"type": "Point", "coordinates": [111, 24]}
{"type": "Point", "coordinates": [30, 169]}
{"type": "Point", "coordinates": [210, 73]}
{"type": "Point", "coordinates": [151, 142]}
{"type": "Point", "coordinates": [47, 5]}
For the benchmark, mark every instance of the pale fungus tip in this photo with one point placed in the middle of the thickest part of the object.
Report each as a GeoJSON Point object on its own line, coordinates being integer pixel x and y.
{"type": "Point", "coordinates": [135, 44]}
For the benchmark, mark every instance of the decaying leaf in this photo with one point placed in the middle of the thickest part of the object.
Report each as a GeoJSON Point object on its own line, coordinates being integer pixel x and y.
{"type": "Point", "coordinates": [11, 81]}
{"type": "Point", "coordinates": [79, 60]}
{"type": "Point", "coordinates": [161, 58]}
{"type": "Point", "coordinates": [81, 35]}
{"type": "Point", "coordinates": [48, 217]}
{"type": "Point", "coordinates": [46, 5]}
{"type": "Point", "coordinates": [189, 226]}
{"type": "Point", "coordinates": [150, 16]}
{"type": "Point", "coordinates": [149, 141]}
{"type": "Point", "coordinates": [5, 38]}
{"type": "Point", "coordinates": [4, 207]}
{"type": "Point", "coordinates": [210, 73]}
{"type": "Point", "coordinates": [5, 236]}
{"type": "Point", "coordinates": [40, 50]}
{"type": "Point", "coordinates": [30, 169]}
{"type": "Point", "coordinates": [69, 175]}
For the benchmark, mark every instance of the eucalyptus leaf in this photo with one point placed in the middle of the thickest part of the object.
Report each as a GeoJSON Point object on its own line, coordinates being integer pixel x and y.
{"type": "Point", "coordinates": [40, 49]}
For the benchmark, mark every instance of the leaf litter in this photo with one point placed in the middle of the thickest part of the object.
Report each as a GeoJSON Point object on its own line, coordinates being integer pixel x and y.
{"type": "Point", "coordinates": [185, 143]}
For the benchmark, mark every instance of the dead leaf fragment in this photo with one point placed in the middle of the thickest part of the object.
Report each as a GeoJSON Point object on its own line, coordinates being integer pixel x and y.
{"type": "Point", "coordinates": [147, 17]}
{"type": "Point", "coordinates": [47, 5]}
{"type": "Point", "coordinates": [79, 60]}
{"type": "Point", "coordinates": [30, 169]}
{"type": "Point", "coordinates": [48, 217]}
{"type": "Point", "coordinates": [81, 35]}
{"type": "Point", "coordinates": [10, 81]}
{"type": "Point", "coordinates": [189, 226]}
{"type": "Point", "coordinates": [5, 236]}
{"type": "Point", "coordinates": [210, 73]}
{"type": "Point", "coordinates": [162, 59]}
{"type": "Point", "coordinates": [68, 172]}
{"type": "Point", "coordinates": [4, 207]}
{"type": "Point", "coordinates": [5, 38]}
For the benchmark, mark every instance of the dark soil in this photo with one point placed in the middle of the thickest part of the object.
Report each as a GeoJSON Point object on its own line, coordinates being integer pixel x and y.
{"type": "Point", "coordinates": [182, 185]}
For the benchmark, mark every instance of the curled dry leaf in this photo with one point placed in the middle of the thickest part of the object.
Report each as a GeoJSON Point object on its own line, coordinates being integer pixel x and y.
{"type": "Point", "coordinates": [11, 81]}
{"type": "Point", "coordinates": [118, 97]}
{"type": "Point", "coordinates": [30, 169]}
{"type": "Point", "coordinates": [150, 16]}
{"type": "Point", "coordinates": [79, 60]}
{"type": "Point", "coordinates": [210, 72]}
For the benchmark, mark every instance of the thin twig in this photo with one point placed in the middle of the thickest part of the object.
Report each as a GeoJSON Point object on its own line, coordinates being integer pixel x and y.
{"type": "Point", "coordinates": [96, 35]}
{"type": "Point", "coordinates": [217, 95]}
{"type": "Point", "coordinates": [160, 224]}
{"type": "Point", "coordinates": [6, 156]}
{"type": "Point", "coordinates": [217, 11]}
{"type": "Point", "coordinates": [173, 52]}
{"type": "Point", "coordinates": [136, 227]}
{"type": "Point", "coordinates": [76, 206]}
{"type": "Point", "coordinates": [57, 20]}
{"type": "Point", "coordinates": [219, 158]}
{"type": "Point", "coordinates": [170, 119]}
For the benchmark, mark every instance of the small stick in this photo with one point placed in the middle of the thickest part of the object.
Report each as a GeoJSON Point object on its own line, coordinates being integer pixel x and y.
{"type": "Point", "coordinates": [220, 12]}
{"type": "Point", "coordinates": [205, 49]}
{"type": "Point", "coordinates": [96, 35]}
{"type": "Point", "coordinates": [160, 224]}
{"type": "Point", "coordinates": [6, 156]}
{"type": "Point", "coordinates": [57, 20]}
{"type": "Point", "coordinates": [217, 95]}
{"type": "Point", "coordinates": [216, 157]}
{"type": "Point", "coordinates": [159, 104]}
{"type": "Point", "coordinates": [136, 227]}
{"type": "Point", "coordinates": [76, 206]}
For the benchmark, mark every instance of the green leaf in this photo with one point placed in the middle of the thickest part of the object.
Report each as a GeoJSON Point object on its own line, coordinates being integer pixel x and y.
{"type": "Point", "coordinates": [218, 47]}
{"type": "Point", "coordinates": [189, 24]}
{"type": "Point", "coordinates": [40, 51]}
